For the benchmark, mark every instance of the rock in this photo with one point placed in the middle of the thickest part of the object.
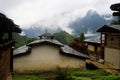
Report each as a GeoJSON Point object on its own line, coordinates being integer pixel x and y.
{"type": "Point", "coordinates": [101, 61]}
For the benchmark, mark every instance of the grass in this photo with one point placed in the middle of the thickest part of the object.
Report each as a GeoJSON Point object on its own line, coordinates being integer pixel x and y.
{"type": "Point", "coordinates": [27, 77]}
{"type": "Point", "coordinates": [110, 77]}
{"type": "Point", "coordinates": [78, 78]}
{"type": "Point", "coordinates": [93, 75]}
{"type": "Point", "coordinates": [89, 73]}
{"type": "Point", "coordinates": [67, 74]}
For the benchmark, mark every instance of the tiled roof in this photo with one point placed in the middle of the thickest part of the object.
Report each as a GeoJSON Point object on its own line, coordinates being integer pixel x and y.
{"type": "Point", "coordinates": [95, 40]}
{"type": "Point", "coordinates": [7, 25]}
{"type": "Point", "coordinates": [45, 40]}
{"type": "Point", "coordinates": [68, 50]}
{"type": "Point", "coordinates": [64, 48]}
{"type": "Point", "coordinates": [112, 28]}
{"type": "Point", "coordinates": [116, 27]}
{"type": "Point", "coordinates": [115, 7]}
{"type": "Point", "coordinates": [21, 50]}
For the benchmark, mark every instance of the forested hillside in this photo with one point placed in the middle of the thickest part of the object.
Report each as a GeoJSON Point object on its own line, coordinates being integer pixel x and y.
{"type": "Point", "coordinates": [21, 40]}
{"type": "Point", "coordinates": [63, 37]}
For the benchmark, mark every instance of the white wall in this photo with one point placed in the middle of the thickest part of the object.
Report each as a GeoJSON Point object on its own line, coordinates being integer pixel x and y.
{"type": "Point", "coordinates": [45, 58]}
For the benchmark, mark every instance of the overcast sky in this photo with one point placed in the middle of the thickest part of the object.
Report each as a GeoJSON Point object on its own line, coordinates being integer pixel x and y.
{"type": "Point", "coordinates": [51, 12]}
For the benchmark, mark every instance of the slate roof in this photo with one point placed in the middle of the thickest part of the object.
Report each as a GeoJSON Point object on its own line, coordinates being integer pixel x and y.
{"type": "Point", "coordinates": [7, 25]}
{"type": "Point", "coordinates": [115, 7]}
{"type": "Point", "coordinates": [70, 51]}
{"type": "Point", "coordinates": [21, 50]}
{"type": "Point", "coordinates": [95, 40]}
{"type": "Point", "coordinates": [53, 41]}
{"type": "Point", "coordinates": [64, 48]}
{"type": "Point", "coordinates": [112, 28]}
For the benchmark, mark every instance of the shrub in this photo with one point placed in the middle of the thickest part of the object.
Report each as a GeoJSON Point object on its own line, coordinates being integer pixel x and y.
{"type": "Point", "coordinates": [62, 74]}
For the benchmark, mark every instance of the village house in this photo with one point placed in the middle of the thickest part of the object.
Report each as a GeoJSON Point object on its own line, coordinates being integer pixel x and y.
{"type": "Point", "coordinates": [46, 54]}
{"type": "Point", "coordinates": [110, 40]}
{"type": "Point", "coordinates": [93, 48]}
{"type": "Point", "coordinates": [6, 51]}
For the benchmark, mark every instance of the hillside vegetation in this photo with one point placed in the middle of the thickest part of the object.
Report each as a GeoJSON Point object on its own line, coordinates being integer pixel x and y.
{"type": "Point", "coordinates": [63, 37]}
{"type": "Point", "coordinates": [21, 40]}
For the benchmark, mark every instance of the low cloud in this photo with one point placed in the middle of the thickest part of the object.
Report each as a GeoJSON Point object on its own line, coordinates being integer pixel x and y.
{"type": "Point", "coordinates": [89, 34]}
{"type": "Point", "coordinates": [51, 13]}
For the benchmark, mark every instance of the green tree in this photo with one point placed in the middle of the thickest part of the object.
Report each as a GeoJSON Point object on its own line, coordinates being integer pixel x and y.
{"type": "Point", "coordinates": [63, 37]}
{"type": "Point", "coordinates": [21, 40]}
{"type": "Point", "coordinates": [81, 38]}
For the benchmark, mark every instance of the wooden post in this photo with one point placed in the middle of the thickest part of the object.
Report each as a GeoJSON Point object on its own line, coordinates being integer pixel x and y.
{"type": "Point", "coordinates": [11, 60]}
{"type": "Point", "coordinates": [101, 38]}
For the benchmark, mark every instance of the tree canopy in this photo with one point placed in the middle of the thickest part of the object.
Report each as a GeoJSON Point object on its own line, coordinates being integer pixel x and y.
{"type": "Point", "coordinates": [82, 38]}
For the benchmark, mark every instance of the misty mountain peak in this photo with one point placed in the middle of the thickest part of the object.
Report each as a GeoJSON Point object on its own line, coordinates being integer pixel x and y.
{"type": "Point", "coordinates": [91, 12]}
{"type": "Point", "coordinates": [92, 21]}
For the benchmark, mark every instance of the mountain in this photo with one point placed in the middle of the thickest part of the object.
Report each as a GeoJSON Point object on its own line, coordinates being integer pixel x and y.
{"type": "Point", "coordinates": [37, 30]}
{"type": "Point", "coordinates": [88, 25]}
{"type": "Point", "coordinates": [63, 37]}
{"type": "Point", "coordinates": [91, 22]}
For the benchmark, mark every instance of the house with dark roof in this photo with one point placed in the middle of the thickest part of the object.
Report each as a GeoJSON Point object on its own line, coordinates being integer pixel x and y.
{"type": "Point", "coordinates": [93, 47]}
{"type": "Point", "coordinates": [110, 40]}
{"type": "Point", "coordinates": [7, 27]}
{"type": "Point", "coordinates": [46, 54]}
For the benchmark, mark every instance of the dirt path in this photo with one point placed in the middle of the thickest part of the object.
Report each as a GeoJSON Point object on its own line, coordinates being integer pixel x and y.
{"type": "Point", "coordinates": [102, 66]}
